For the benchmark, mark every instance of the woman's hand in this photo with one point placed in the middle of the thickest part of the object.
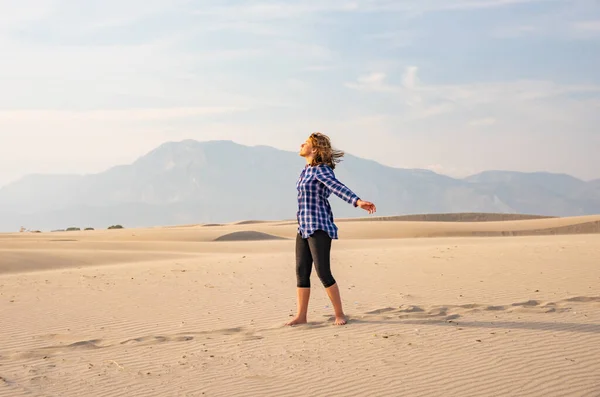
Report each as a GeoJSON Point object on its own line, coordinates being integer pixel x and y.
{"type": "Point", "coordinates": [367, 206]}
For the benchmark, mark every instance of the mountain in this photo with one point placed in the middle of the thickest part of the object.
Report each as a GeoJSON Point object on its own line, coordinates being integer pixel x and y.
{"type": "Point", "coordinates": [554, 183]}
{"type": "Point", "coordinates": [534, 192]}
{"type": "Point", "coordinates": [221, 181]}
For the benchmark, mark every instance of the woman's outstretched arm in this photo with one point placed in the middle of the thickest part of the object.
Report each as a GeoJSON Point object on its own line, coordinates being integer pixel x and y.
{"type": "Point", "coordinates": [326, 176]}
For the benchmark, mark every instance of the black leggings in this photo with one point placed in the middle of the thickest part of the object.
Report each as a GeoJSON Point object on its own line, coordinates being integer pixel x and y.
{"type": "Point", "coordinates": [314, 249]}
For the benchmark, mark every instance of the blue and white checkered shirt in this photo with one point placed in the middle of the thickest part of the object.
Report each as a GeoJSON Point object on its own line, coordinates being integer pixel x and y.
{"type": "Point", "coordinates": [315, 185]}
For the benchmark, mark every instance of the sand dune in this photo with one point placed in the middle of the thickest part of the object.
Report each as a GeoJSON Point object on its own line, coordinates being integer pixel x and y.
{"type": "Point", "coordinates": [250, 222]}
{"type": "Point", "coordinates": [248, 235]}
{"type": "Point", "coordinates": [349, 229]}
{"type": "Point", "coordinates": [479, 308]}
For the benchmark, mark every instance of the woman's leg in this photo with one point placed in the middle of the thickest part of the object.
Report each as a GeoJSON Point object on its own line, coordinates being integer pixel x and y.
{"type": "Point", "coordinates": [336, 301]}
{"type": "Point", "coordinates": [303, 269]}
{"type": "Point", "coordinates": [320, 247]}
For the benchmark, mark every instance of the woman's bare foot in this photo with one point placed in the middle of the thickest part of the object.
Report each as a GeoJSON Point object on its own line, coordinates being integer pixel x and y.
{"type": "Point", "coordinates": [297, 320]}
{"type": "Point", "coordinates": [340, 320]}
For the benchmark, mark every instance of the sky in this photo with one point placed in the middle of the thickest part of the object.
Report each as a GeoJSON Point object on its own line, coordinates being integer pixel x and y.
{"type": "Point", "coordinates": [455, 86]}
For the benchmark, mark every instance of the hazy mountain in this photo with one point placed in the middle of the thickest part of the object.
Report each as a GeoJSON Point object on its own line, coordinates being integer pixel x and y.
{"type": "Point", "coordinates": [555, 183]}
{"type": "Point", "coordinates": [221, 181]}
{"type": "Point", "coordinates": [537, 192]}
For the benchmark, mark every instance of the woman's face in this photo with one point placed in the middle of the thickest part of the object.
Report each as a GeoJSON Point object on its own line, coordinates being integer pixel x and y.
{"type": "Point", "coordinates": [306, 149]}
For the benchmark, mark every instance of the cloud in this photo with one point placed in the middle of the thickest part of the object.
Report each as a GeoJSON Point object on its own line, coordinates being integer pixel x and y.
{"type": "Point", "coordinates": [394, 38]}
{"type": "Point", "coordinates": [296, 85]}
{"type": "Point", "coordinates": [89, 16]}
{"type": "Point", "coordinates": [478, 4]}
{"type": "Point", "coordinates": [147, 75]}
{"type": "Point", "coordinates": [524, 110]}
{"type": "Point", "coordinates": [588, 25]}
{"type": "Point", "coordinates": [514, 31]}
{"type": "Point", "coordinates": [409, 79]}
{"type": "Point", "coordinates": [376, 81]}
{"type": "Point", "coordinates": [318, 68]}
{"type": "Point", "coordinates": [49, 116]}
{"type": "Point", "coordinates": [473, 93]}
{"type": "Point", "coordinates": [427, 6]}
{"type": "Point", "coordinates": [586, 29]}
{"type": "Point", "coordinates": [297, 49]}
{"type": "Point", "coordinates": [263, 10]}
{"type": "Point", "coordinates": [373, 79]}
{"type": "Point", "coordinates": [371, 82]}
{"type": "Point", "coordinates": [16, 13]}
{"type": "Point", "coordinates": [273, 11]}
{"type": "Point", "coordinates": [482, 122]}
{"type": "Point", "coordinates": [411, 73]}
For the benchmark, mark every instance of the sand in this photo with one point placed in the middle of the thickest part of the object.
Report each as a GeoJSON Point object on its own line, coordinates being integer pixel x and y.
{"type": "Point", "coordinates": [499, 308]}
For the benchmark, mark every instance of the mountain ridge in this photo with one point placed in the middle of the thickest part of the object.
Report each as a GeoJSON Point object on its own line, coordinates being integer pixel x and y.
{"type": "Point", "coordinates": [221, 181]}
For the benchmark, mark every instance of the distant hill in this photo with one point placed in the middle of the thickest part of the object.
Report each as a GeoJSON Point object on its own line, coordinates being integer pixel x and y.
{"type": "Point", "coordinates": [221, 181]}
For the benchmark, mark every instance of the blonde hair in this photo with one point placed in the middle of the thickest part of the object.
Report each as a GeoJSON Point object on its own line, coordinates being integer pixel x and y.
{"type": "Point", "coordinates": [325, 154]}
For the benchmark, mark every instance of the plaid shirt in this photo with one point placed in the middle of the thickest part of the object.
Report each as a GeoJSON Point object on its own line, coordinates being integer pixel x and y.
{"type": "Point", "coordinates": [315, 185]}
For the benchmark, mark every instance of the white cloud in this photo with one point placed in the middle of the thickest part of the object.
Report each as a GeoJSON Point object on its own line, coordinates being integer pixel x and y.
{"type": "Point", "coordinates": [68, 16]}
{"type": "Point", "coordinates": [409, 79]}
{"type": "Point", "coordinates": [143, 75]}
{"type": "Point", "coordinates": [264, 10]}
{"type": "Point", "coordinates": [272, 11]}
{"type": "Point", "coordinates": [514, 31]}
{"type": "Point", "coordinates": [587, 26]}
{"type": "Point", "coordinates": [411, 7]}
{"type": "Point", "coordinates": [297, 49]}
{"type": "Point", "coordinates": [296, 85]}
{"type": "Point", "coordinates": [103, 115]}
{"type": "Point", "coordinates": [16, 13]}
{"type": "Point", "coordinates": [474, 4]}
{"type": "Point", "coordinates": [394, 39]}
{"type": "Point", "coordinates": [177, 70]}
{"type": "Point", "coordinates": [318, 68]}
{"type": "Point", "coordinates": [371, 82]}
{"type": "Point", "coordinates": [482, 122]}
{"type": "Point", "coordinates": [470, 94]}
{"type": "Point", "coordinates": [587, 29]}
{"type": "Point", "coordinates": [559, 118]}
{"type": "Point", "coordinates": [375, 79]}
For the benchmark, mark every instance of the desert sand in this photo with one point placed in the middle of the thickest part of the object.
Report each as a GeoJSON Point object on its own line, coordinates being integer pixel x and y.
{"type": "Point", "coordinates": [436, 307]}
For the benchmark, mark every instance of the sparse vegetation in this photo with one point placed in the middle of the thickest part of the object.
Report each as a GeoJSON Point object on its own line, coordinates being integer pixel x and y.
{"type": "Point", "coordinates": [89, 228]}
{"type": "Point", "coordinates": [115, 227]}
{"type": "Point", "coordinates": [73, 229]}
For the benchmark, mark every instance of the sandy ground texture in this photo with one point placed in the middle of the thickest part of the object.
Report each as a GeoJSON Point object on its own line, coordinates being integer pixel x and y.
{"type": "Point", "coordinates": [437, 307]}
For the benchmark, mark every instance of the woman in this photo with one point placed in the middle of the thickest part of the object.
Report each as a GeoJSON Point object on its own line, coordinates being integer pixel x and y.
{"type": "Point", "coordinates": [316, 228]}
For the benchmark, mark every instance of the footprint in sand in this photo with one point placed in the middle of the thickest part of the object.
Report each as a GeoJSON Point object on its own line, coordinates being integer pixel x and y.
{"type": "Point", "coordinates": [449, 312]}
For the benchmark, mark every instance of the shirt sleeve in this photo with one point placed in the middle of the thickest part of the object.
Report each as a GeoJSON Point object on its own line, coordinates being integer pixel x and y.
{"type": "Point", "coordinates": [326, 176]}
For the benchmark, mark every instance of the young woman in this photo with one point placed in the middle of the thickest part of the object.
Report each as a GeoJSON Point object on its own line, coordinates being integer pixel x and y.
{"type": "Point", "coordinates": [316, 228]}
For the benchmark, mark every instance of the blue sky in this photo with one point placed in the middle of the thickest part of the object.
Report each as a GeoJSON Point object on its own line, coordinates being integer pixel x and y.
{"type": "Point", "coordinates": [457, 86]}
